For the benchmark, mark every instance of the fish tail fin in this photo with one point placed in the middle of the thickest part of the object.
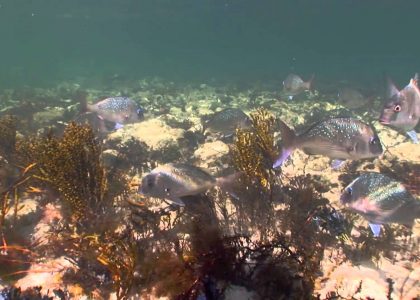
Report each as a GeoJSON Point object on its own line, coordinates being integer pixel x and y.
{"type": "Point", "coordinates": [376, 229]}
{"type": "Point", "coordinates": [205, 120]}
{"type": "Point", "coordinates": [288, 140]}
{"type": "Point", "coordinates": [309, 83]}
{"type": "Point", "coordinates": [81, 97]}
{"type": "Point", "coordinates": [226, 183]}
{"type": "Point", "coordinates": [414, 81]}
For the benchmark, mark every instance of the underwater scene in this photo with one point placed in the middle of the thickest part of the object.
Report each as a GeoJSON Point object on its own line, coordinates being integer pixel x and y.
{"type": "Point", "coordinates": [209, 149]}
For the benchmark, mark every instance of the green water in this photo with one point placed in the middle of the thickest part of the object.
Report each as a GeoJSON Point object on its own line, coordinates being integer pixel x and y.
{"type": "Point", "coordinates": [184, 62]}
{"type": "Point", "coordinates": [45, 41]}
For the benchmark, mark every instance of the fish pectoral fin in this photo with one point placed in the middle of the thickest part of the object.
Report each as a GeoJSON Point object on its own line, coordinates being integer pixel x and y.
{"type": "Point", "coordinates": [337, 164]}
{"type": "Point", "coordinates": [118, 126]}
{"type": "Point", "coordinates": [413, 136]}
{"type": "Point", "coordinates": [285, 153]}
{"type": "Point", "coordinates": [178, 201]}
{"type": "Point", "coordinates": [376, 229]}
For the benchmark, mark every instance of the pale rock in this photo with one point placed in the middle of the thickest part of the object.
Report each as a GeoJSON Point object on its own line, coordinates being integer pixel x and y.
{"type": "Point", "coordinates": [166, 144]}
{"type": "Point", "coordinates": [154, 133]}
{"type": "Point", "coordinates": [47, 116]}
{"type": "Point", "coordinates": [211, 155]}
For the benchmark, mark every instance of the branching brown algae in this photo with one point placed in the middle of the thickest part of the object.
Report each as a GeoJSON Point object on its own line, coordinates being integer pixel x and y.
{"type": "Point", "coordinates": [254, 149]}
{"type": "Point", "coordinates": [269, 232]}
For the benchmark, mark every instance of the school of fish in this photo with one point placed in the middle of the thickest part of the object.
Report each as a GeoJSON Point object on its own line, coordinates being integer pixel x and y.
{"type": "Point", "coordinates": [378, 198]}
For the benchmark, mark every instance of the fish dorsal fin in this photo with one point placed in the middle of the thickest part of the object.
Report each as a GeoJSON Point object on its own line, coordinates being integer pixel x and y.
{"type": "Point", "coordinates": [414, 80]}
{"type": "Point", "coordinates": [391, 88]}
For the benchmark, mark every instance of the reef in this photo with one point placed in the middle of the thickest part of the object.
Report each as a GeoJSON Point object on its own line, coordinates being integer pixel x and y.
{"type": "Point", "coordinates": [274, 234]}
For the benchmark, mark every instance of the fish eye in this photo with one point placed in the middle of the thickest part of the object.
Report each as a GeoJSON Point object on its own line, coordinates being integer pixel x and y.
{"type": "Point", "coordinates": [397, 108]}
{"type": "Point", "coordinates": [167, 190]}
{"type": "Point", "coordinates": [349, 191]}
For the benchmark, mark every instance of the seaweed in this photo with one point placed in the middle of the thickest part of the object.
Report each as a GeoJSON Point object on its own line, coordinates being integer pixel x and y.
{"type": "Point", "coordinates": [71, 166]}
{"type": "Point", "coordinates": [8, 129]}
{"type": "Point", "coordinates": [33, 293]}
{"type": "Point", "coordinates": [254, 150]}
{"type": "Point", "coordinates": [106, 260]}
{"type": "Point", "coordinates": [269, 235]}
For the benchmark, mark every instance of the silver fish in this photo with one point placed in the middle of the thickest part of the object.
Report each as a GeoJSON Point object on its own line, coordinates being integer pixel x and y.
{"type": "Point", "coordinates": [337, 138]}
{"type": "Point", "coordinates": [174, 181]}
{"type": "Point", "coordinates": [119, 110]}
{"type": "Point", "coordinates": [381, 200]}
{"type": "Point", "coordinates": [294, 85]}
{"type": "Point", "coordinates": [227, 121]}
{"type": "Point", "coordinates": [402, 110]}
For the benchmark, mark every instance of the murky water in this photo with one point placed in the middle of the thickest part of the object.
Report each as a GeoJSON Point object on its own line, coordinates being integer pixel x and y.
{"type": "Point", "coordinates": [46, 41]}
{"type": "Point", "coordinates": [225, 149]}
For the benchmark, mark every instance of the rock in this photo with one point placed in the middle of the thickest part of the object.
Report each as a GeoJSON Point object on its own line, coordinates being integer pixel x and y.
{"type": "Point", "coordinates": [388, 136]}
{"type": "Point", "coordinates": [110, 157]}
{"type": "Point", "coordinates": [212, 156]}
{"type": "Point", "coordinates": [48, 116]}
{"type": "Point", "coordinates": [165, 143]}
{"type": "Point", "coordinates": [50, 213]}
{"type": "Point", "coordinates": [346, 279]}
{"type": "Point", "coordinates": [48, 275]}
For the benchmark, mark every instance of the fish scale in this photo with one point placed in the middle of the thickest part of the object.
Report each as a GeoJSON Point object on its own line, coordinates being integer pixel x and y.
{"type": "Point", "coordinates": [227, 121]}
{"type": "Point", "coordinates": [120, 110]}
{"type": "Point", "coordinates": [381, 200]}
{"type": "Point", "coordinates": [173, 181]}
{"type": "Point", "coordinates": [116, 104]}
{"type": "Point", "coordinates": [344, 128]}
{"type": "Point", "coordinates": [182, 175]}
{"type": "Point", "coordinates": [336, 138]}
{"type": "Point", "coordinates": [384, 192]}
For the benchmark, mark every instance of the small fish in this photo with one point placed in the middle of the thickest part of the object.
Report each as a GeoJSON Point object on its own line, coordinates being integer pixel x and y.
{"type": "Point", "coordinates": [119, 110]}
{"type": "Point", "coordinates": [294, 85]}
{"type": "Point", "coordinates": [174, 181]}
{"type": "Point", "coordinates": [337, 138]}
{"type": "Point", "coordinates": [402, 111]}
{"type": "Point", "coordinates": [351, 98]}
{"type": "Point", "coordinates": [227, 121]}
{"type": "Point", "coordinates": [381, 200]}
